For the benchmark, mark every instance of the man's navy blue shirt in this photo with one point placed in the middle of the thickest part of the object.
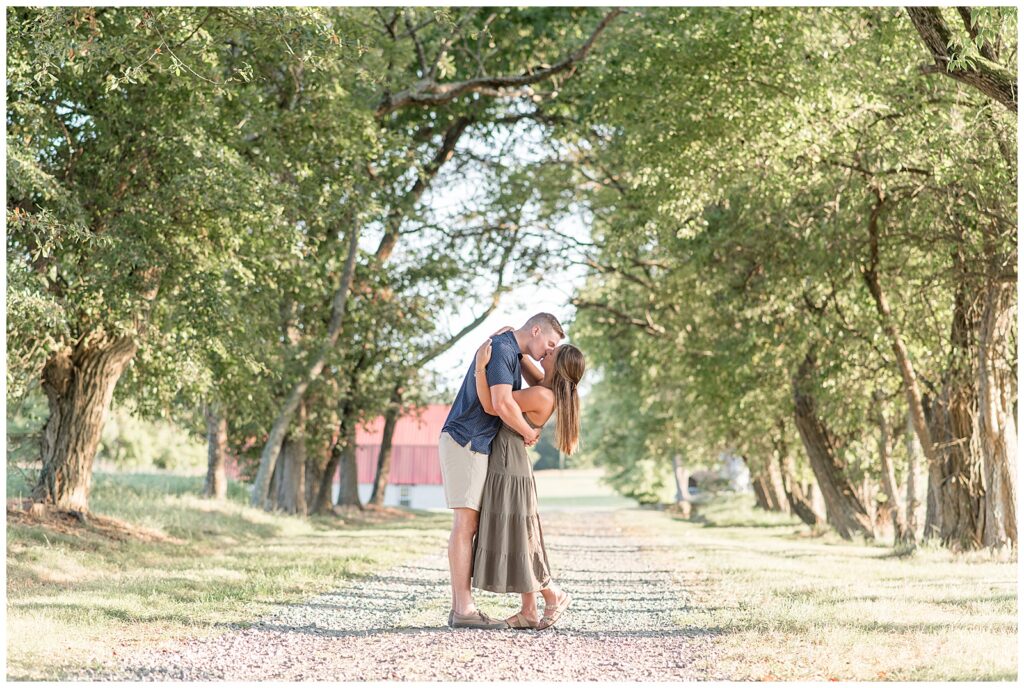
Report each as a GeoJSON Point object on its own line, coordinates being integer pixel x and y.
{"type": "Point", "coordinates": [467, 421]}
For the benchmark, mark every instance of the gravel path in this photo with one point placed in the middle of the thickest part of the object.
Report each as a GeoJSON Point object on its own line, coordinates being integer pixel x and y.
{"type": "Point", "coordinates": [393, 626]}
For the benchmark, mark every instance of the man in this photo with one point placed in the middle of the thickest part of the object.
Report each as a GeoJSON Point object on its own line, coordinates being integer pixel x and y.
{"type": "Point", "coordinates": [465, 444]}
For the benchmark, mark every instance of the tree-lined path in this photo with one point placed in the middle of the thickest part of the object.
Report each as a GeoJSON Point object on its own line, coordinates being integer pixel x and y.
{"type": "Point", "coordinates": [623, 624]}
{"type": "Point", "coordinates": [785, 239]}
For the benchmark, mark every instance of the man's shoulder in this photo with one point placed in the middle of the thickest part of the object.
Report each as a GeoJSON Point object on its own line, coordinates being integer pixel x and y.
{"type": "Point", "coordinates": [503, 346]}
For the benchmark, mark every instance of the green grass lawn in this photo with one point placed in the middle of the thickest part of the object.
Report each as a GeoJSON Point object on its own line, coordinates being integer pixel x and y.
{"type": "Point", "coordinates": [577, 488]}
{"type": "Point", "coordinates": [788, 606]}
{"type": "Point", "coordinates": [94, 596]}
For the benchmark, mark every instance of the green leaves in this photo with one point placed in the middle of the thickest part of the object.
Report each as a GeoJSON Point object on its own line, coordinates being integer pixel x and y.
{"type": "Point", "coordinates": [748, 147]}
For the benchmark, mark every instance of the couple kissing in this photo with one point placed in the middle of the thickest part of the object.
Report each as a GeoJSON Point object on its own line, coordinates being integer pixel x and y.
{"type": "Point", "coordinates": [496, 542]}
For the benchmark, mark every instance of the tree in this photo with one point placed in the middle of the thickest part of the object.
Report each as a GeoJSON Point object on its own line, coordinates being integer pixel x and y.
{"type": "Point", "coordinates": [454, 107]}
{"type": "Point", "coordinates": [126, 188]}
{"type": "Point", "coordinates": [730, 206]}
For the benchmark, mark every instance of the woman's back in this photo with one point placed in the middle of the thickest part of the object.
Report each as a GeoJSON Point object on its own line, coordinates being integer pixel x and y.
{"type": "Point", "coordinates": [539, 400]}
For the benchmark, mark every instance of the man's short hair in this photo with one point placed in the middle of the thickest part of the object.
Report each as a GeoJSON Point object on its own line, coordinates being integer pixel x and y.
{"type": "Point", "coordinates": [546, 320]}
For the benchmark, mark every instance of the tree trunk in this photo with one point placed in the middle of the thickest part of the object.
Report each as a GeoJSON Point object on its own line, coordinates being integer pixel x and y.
{"type": "Point", "coordinates": [769, 495]}
{"type": "Point", "coordinates": [348, 495]}
{"type": "Point", "coordinates": [682, 476]}
{"type": "Point", "coordinates": [998, 429]}
{"type": "Point", "coordinates": [216, 485]}
{"type": "Point", "coordinates": [318, 463]}
{"type": "Point", "coordinates": [911, 388]}
{"type": "Point", "coordinates": [380, 480]}
{"type": "Point", "coordinates": [324, 495]}
{"type": "Point", "coordinates": [954, 414]}
{"type": "Point", "coordinates": [776, 489]}
{"type": "Point", "coordinates": [79, 384]}
{"type": "Point", "coordinates": [315, 462]}
{"type": "Point", "coordinates": [893, 506]}
{"type": "Point", "coordinates": [268, 458]}
{"type": "Point", "coordinates": [290, 495]}
{"type": "Point", "coordinates": [813, 493]}
{"type": "Point", "coordinates": [799, 501]}
{"type": "Point", "coordinates": [912, 502]}
{"type": "Point", "coordinates": [867, 498]}
{"type": "Point", "coordinates": [760, 494]}
{"type": "Point", "coordinates": [933, 495]}
{"type": "Point", "coordinates": [845, 511]}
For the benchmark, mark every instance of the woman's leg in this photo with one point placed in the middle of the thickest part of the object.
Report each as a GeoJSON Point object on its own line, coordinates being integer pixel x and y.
{"type": "Point", "coordinates": [552, 595]}
{"type": "Point", "coordinates": [528, 609]}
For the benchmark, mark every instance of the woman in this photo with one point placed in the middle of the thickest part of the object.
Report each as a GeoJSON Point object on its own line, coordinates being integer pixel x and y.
{"type": "Point", "coordinates": [509, 554]}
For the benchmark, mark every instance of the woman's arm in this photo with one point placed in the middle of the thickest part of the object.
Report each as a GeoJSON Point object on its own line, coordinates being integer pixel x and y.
{"type": "Point", "coordinates": [540, 400]}
{"type": "Point", "coordinates": [483, 390]}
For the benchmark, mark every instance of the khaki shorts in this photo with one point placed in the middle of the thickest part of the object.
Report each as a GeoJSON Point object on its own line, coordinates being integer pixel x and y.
{"type": "Point", "coordinates": [463, 473]}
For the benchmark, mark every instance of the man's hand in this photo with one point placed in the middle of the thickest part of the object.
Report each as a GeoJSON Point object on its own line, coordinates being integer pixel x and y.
{"type": "Point", "coordinates": [509, 411]}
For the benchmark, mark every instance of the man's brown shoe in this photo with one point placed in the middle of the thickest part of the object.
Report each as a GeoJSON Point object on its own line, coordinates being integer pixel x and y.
{"type": "Point", "coordinates": [476, 619]}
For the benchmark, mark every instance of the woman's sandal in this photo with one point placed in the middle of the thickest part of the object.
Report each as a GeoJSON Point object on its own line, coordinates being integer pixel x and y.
{"type": "Point", "coordinates": [550, 617]}
{"type": "Point", "coordinates": [520, 622]}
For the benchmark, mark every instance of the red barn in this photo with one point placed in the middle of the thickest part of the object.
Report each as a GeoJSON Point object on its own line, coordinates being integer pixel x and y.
{"type": "Point", "coordinates": [415, 477]}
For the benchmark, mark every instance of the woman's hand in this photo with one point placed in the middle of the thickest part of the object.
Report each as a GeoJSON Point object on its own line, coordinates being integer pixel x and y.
{"type": "Point", "coordinates": [483, 354]}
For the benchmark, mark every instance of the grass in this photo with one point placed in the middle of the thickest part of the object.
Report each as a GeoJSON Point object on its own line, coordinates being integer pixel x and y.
{"type": "Point", "coordinates": [780, 603]}
{"type": "Point", "coordinates": [789, 606]}
{"type": "Point", "coordinates": [577, 488]}
{"type": "Point", "coordinates": [193, 567]}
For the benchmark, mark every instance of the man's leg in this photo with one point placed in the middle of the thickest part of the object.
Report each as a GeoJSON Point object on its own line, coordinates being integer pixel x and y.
{"type": "Point", "coordinates": [460, 558]}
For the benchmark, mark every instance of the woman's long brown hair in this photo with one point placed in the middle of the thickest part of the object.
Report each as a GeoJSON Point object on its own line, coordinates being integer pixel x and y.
{"type": "Point", "coordinates": [569, 368]}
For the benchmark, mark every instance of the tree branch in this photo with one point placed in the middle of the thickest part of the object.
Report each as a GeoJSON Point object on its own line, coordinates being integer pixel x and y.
{"type": "Point", "coordinates": [428, 92]}
{"type": "Point", "coordinates": [987, 76]}
{"type": "Point", "coordinates": [443, 155]}
{"type": "Point", "coordinates": [420, 55]}
{"type": "Point", "coordinates": [499, 289]}
{"type": "Point", "coordinates": [645, 324]}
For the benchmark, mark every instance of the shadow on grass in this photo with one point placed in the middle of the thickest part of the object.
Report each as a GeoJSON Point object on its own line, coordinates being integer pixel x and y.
{"type": "Point", "coordinates": [984, 676]}
{"type": "Point", "coordinates": [932, 627]}
{"type": "Point", "coordinates": [119, 614]}
{"type": "Point", "coordinates": [704, 522]}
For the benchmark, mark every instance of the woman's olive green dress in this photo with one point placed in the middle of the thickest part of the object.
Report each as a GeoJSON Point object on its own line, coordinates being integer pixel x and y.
{"type": "Point", "coordinates": [508, 554]}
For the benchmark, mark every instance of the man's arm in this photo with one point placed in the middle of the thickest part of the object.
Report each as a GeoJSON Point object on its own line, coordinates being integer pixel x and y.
{"type": "Point", "coordinates": [507, 408]}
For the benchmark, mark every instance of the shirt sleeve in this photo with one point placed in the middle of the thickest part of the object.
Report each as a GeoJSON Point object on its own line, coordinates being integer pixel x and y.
{"type": "Point", "coordinates": [501, 369]}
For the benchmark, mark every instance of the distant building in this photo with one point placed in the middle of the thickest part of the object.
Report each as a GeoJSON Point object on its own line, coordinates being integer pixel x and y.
{"type": "Point", "coordinates": [415, 477]}
{"type": "Point", "coordinates": [734, 469]}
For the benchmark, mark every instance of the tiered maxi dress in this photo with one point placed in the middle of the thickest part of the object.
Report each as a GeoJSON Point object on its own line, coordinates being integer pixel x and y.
{"type": "Point", "coordinates": [508, 553]}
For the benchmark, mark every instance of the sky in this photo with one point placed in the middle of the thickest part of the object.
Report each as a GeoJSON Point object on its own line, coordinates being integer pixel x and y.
{"type": "Point", "coordinates": [552, 295]}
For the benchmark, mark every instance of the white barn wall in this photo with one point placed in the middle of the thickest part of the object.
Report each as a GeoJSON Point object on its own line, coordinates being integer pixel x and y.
{"type": "Point", "coordinates": [420, 496]}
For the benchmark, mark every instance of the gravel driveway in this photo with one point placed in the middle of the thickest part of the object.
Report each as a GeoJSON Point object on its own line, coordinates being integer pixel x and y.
{"type": "Point", "coordinates": [393, 626]}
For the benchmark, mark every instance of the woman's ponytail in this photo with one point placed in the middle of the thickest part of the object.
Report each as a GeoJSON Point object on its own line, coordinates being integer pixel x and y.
{"type": "Point", "coordinates": [569, 368]}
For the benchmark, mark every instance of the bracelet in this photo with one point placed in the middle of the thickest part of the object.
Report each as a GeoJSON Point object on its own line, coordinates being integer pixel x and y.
{"type": "Point", "coordinates": [481, 370]}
